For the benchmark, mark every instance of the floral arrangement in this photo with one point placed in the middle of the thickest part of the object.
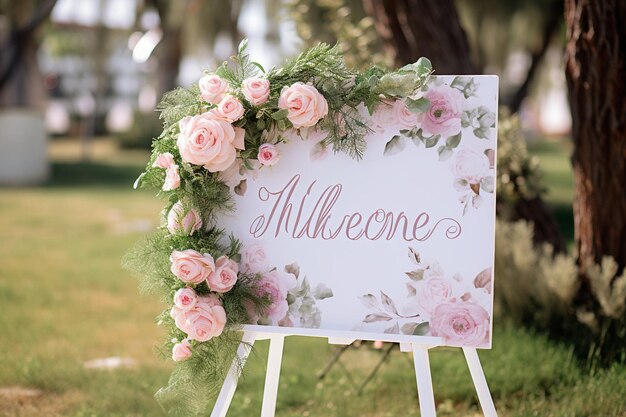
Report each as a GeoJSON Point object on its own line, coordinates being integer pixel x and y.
{"type": "Point", "coordinates": [450, 307]}
{"type": "Point", "coordinates": [233, 123]}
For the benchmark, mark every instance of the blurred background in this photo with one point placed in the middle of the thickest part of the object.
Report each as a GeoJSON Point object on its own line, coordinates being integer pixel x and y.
{"type": "Point", "coordinates": [79, 81]}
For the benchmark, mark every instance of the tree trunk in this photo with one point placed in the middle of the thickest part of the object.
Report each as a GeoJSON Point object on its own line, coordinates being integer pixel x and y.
{"type": "Point", "coordinates": [430, 28]}
{"type": "Point", "coordinates": [596, 79]}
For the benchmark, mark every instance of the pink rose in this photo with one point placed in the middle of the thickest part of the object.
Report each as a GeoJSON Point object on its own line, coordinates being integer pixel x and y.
{"type": "Point", "coordinates": [185, 299]}
{"type": "Point", "coordinates": [406, 118]}
{"type": "Point", "coordinates": [430, 292]}
{"type": "Point", "coordinates": [163, 160]}
{"type": "Point", "coordinates": [305, 105]}
{"type": "Point", "coordinates": [172, 178]}
{"type": "Point", "coordinates": [208, 141]}
{"type": "Point", "coordinates": [181, 221]}
{"type": "Point", "coordinates": [229, 109]}
{"type": "Point", "coordinates": [268, 154]}
{"type": "Point", "coordinates": [207, 319]}
{"type": "Point", "coordinates": [254, 259]}
{"type": "Point", "coordinates": [461, 323]}
{"type": "Point", "coordinates": [212, 88]}
{"type": "Point", "coordinates": [191, 266]}
{"type": "Point", "coordinates": [225, 275]}
{"type": "Point", "coordinates": [256, 90]}
{"type": "Point", "coordinates": [181, 351]}
{"type": "Point", "coordinates": [470, 165]}
{"type": "Point", "coordinates": [276, 285]}
{"type": "Point", "coordinates": [444, 116]}
{"type": "Point", "coordinates": [384, 116]}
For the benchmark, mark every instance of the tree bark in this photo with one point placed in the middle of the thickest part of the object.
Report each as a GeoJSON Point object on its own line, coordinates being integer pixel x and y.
{"type": "Point", "coordinates": [596, 79]}
{"type": "Point", "coordinates": [20, 79]}
{"type": "Point", "coordinates": [430, 28]}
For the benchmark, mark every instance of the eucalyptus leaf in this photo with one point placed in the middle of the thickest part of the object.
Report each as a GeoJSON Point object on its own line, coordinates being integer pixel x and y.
{"type": "Point", "coordinates": [487, 184]}
{"type": "Point", "coordinates": [420, 105]}
{"type": "Point", "coordinates": [394, 146]}
{"type": "Point", "coordinates": [388, 303]}
{"type": "Point", "coordinates": [375, 317]}
{"type": "Point", "coordinates": [453, 141]}
{"type": "Point", "coordinates": [321, 292]}
{"type": "Point", "coordinates": [422, 329]}
{"type": "Point", "coordinates": [369, 301]}
{"type": "Point", "coordinates": [414, 256]}
{"type": "Point", "coordinates": [395, 329]}
{"type": "Point", "coordinates": [482, 132]}
{"type": "Point", "coordinates": [408, 328]}
{"type": "Point", "coordinates": [430, 141]}
{"type": "Point", "coordinates": [293, 268]}
{"type": "Point", "coordinates": [416, 274]}
{"type": "Point", "coordinates": [444, 153]}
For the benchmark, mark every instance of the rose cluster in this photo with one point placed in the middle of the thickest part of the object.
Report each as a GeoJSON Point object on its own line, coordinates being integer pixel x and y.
{"type": "Point", "coordinates": [273, 284]}
{"type": "Point", "coordinates": [212, 140]}
{"type": "Point", "coordinates": [201, 317]}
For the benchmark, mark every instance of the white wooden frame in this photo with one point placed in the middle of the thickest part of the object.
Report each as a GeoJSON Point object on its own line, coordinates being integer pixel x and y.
{"type": "Point", "coordinates": [277, 340]}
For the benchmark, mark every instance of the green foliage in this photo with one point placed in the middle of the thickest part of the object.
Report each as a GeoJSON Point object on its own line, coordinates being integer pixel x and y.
{"type": "Point", "coordinates": [519, 175]}
{"type": "Point", "coordinates": [538, 288]}
{"type": "Point", "coordinates": [344, 22]}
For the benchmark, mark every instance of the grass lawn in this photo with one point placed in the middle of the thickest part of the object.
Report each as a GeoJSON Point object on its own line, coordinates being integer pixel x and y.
{"type": "Point", "coordinates": [65, 300]}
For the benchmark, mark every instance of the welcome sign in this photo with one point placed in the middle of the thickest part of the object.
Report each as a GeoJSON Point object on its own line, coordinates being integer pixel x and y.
{"type": "Point", "coordinates": [398, 245]}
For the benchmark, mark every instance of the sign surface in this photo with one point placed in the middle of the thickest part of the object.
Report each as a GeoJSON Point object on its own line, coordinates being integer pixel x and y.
{"type": "Point", "coordinates": [398, 245]}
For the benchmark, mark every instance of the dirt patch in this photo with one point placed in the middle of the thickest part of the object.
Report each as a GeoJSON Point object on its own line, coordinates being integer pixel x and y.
{"type": "Point", "coordinates": [18, 401]}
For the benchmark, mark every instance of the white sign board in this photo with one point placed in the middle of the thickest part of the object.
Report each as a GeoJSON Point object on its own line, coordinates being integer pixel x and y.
{"type": "Point", "coordinates": [397, 246]}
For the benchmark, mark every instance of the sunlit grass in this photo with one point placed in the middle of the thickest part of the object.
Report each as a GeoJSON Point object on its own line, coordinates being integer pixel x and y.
{"type": "Point", "coordinates": [65, 300]}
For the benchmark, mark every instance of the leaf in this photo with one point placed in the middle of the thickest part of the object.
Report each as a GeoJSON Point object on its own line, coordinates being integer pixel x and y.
{"type": "Point", "coordinates": [394, 146]}
{"type": "Point", "coordinates": [423, 67]}
{"type": "Point", "coordinates": [241, 188]}
{"type": "Point", "coordinates": [259, 66]}
{"type": "Point", "coordinates": [444, 153]}
{"type": "Point", "coordinates": [242, 46]}
{"type": "Point", "coordinates": [416, 275]}
{"type": "Point", "coordinates": [453, 141]}
{"type": "Point", "coordinates": [467, 117]}
{"type": "Point", "coordinates": [411, 289]}
{"type": "Point", "coordinates": [414, 256]}
{"type": "Point", "coordinates": [487, 184]}
{"type": "Point", "coordinates": [430, 141]}
{"type": "Point", "coordinates": [422, 329]}
{"type": "Point", "coordinates": [388, 303]}
{"type": "Point", "coordinates": [260, 124]}
{"type": "Point", "coordinates": [369, 301]}
{"type": "Point", "coordinates": [395, 329]}
{"type": "Point", "coordinates": [293, 268]}
{"type": "Point", "coordinates": [280, 114]}
{"type": "Point", "coordinates": [420, 105]}
{"type": "Point", "coordinates": [408, 328]}
{"type": "Point", "coordinates": [321, 292]}
{"type": "Point", "coordinates": [374, 317]}
{"type": "Point", "coordinates": [482, 132]}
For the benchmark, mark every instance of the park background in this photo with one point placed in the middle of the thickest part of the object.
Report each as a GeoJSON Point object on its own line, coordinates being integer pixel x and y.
{"type": "Point", "coordinates": [79, 81]}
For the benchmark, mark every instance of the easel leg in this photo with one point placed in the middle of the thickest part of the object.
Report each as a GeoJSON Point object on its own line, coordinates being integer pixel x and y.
{"type": "Point", "coordinates": [484, 396]}
{"type": "Point", "coordinates": [230, 383]}
{"type": "Point", "coordinates": [424, 381]}
{"type": "Point", "coordinates": [272, 376]}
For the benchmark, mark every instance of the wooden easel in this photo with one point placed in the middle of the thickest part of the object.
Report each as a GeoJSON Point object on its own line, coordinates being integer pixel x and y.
{"type": "Point", "coordinates": [277, 340]}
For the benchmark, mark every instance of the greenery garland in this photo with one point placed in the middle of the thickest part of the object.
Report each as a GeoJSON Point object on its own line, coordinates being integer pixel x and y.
{"type": "Point", "coordinates": [232, 119]}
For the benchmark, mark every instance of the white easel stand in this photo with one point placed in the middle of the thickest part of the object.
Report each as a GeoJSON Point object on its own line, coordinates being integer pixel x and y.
{"type": "Point", "coordinates": [420, 358]}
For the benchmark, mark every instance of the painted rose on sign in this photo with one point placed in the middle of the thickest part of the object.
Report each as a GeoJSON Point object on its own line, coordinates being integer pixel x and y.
{"type": "Point", "coordinates": [436, 304]}
{"type": "Point", "coordinates": [445, 116]}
